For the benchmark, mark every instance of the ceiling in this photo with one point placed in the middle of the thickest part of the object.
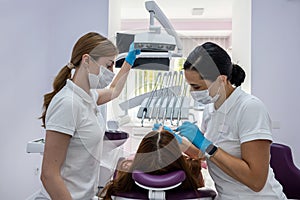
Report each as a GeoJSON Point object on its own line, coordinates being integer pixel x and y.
{"type": "Point", "coordinates": [180, 9]}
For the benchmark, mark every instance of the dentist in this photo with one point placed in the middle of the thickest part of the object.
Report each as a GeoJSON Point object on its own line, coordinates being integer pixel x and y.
{"type": "Point", "coordinates": [235, 132]}
{"type": "Point", "coordinates": [74, 127]}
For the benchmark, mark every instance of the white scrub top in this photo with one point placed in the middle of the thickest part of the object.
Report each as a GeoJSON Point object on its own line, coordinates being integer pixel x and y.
{"type": "Point", "coordinates": [241, 118]}
{"type": "Point", "coordinates": [73, 112]}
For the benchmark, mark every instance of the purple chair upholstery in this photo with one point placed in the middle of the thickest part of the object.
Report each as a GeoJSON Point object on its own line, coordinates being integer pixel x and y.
{"type": "Point", "coordinates": [157, 182]}
{"type": "Point", "coordinates": [115, 135]}
{"type": "Point", "coordinates": [285, 170]}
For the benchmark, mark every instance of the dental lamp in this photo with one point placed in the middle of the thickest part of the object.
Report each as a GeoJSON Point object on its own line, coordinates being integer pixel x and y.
{"type": "Point", "coordinates": [157, 47]}
{"type": "Point", "coordinates": [155, 39]}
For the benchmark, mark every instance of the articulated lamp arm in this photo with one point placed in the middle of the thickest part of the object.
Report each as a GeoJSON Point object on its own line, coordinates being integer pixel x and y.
{"type": "Point", "coordinates": [156, 12]}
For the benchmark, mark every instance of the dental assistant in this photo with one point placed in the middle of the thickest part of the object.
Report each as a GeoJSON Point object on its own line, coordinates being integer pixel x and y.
{"type": "Point", "coordinates": [236, 126]}
{"type": "Point", "coordinates": [74, 127]}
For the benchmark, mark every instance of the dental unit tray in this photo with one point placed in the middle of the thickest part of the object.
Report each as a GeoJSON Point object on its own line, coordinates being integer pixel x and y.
{"type": "Point", "coordinates": [182, 110]}
{"type": "Point", "coordinates": [173, 111]}
{"type": "Point", "coordinates": [117, 137]}
{"type": "Point", "coordinates": [138, 100]}
{"type": "Point", "coordinates": [167, 105]}
{"type": "Point", "coordinates": [35, 146]}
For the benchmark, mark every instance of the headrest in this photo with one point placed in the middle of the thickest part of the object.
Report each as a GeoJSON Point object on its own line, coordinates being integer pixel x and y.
{"type": "Point", "coordinates": [115, 135]}
{"type": "Point", "coordinates": [158, 181]}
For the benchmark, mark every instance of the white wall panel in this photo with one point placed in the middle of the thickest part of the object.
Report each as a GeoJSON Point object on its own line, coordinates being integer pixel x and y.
{"type": "Point", "coordinates": [275, 65]}
{"type": "Point", "coordinates": [36, 40]}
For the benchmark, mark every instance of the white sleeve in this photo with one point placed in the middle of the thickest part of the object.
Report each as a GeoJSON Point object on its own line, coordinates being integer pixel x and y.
{"type": "Point", "coordinates": [255, 122]}
{"type": "Point", "coordinates": [95, 94]}
{"type": "Point", "coordinates": [61, 116]}
{"type": "Point", "coordinates": [205, 119]}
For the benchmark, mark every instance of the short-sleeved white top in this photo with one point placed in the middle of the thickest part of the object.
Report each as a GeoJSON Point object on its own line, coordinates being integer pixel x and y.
{"type": "Point", "coordinates": [73, 112]}
{"type": "Point", "coordinates": [241, 118]}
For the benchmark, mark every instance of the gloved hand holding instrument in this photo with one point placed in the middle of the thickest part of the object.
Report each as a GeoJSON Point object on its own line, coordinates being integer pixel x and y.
{"type": "Point", "coordinates": [158, 125]}
{"type": "Point", "coordinates": [194, 135]}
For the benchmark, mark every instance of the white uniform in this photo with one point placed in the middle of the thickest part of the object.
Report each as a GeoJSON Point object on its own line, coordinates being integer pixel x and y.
{"type": "Point", "coordinates": [73, 112]}
{"type": "Point", "coordinates": [241, 118]}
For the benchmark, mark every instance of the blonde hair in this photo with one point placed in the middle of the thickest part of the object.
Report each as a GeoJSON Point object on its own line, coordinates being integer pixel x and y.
{"type": "Point", "coordinates": [91, 43]}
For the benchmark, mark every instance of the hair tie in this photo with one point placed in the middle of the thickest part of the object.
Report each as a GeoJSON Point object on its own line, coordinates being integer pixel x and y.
{"type": "Point", "coordinates": [70, 65]}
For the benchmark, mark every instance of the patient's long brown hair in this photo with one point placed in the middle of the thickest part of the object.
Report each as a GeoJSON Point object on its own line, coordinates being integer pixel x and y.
{"type": "Point", "coordinates": [158, 153]}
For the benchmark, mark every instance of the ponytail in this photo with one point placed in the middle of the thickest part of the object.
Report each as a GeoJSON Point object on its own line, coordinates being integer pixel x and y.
{"type": "Point", "coordinates": [237, 76]}
{"type": "Point", "coordinates": [91, 43]}
{"type": "Point", "coordinates": [58, 83]}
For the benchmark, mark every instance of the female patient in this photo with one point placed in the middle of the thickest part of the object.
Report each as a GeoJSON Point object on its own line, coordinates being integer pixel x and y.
{"type": "Point", "coordinates": [158, 153]}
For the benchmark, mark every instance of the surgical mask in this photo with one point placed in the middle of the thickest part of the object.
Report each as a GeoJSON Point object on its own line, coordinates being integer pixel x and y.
{"type": "Point", "coordinates": [102, 80]}
{"type": "Point", "coordinates": [202, 96]}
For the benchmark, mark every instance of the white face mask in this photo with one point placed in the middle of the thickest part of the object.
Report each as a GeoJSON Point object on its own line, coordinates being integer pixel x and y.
{"type": "Point", "coordinates": [103, 79]}
{"type": "Point", "coordinates": [202, 96]}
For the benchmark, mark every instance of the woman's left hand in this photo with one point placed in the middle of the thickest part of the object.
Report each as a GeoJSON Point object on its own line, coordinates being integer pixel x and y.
{"type": "Point", "coordinates": [157, 126]}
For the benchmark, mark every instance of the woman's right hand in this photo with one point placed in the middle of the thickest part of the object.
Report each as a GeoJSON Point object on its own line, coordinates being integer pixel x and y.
{"type": "Point", "coordinates": [193, 134]}
{"type": "Point", "coordinates": [132, 53]}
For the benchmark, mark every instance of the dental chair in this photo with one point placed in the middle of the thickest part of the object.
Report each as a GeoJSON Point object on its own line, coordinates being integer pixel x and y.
{"type": "Point", "coordinates": [113, 139]}
{"type": "Point", "coordinates": [157, 187]}
{"type": "Point", "coordinates": [285, 170]}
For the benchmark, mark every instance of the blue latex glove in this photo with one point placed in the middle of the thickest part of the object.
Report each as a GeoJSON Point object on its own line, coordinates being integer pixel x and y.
{"type": "Point", "coordinates": [194, 135]}
{"type": "Point", "coordinates": [156, 127]}
{"type": "Point", "coordinates": [132, 52]}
